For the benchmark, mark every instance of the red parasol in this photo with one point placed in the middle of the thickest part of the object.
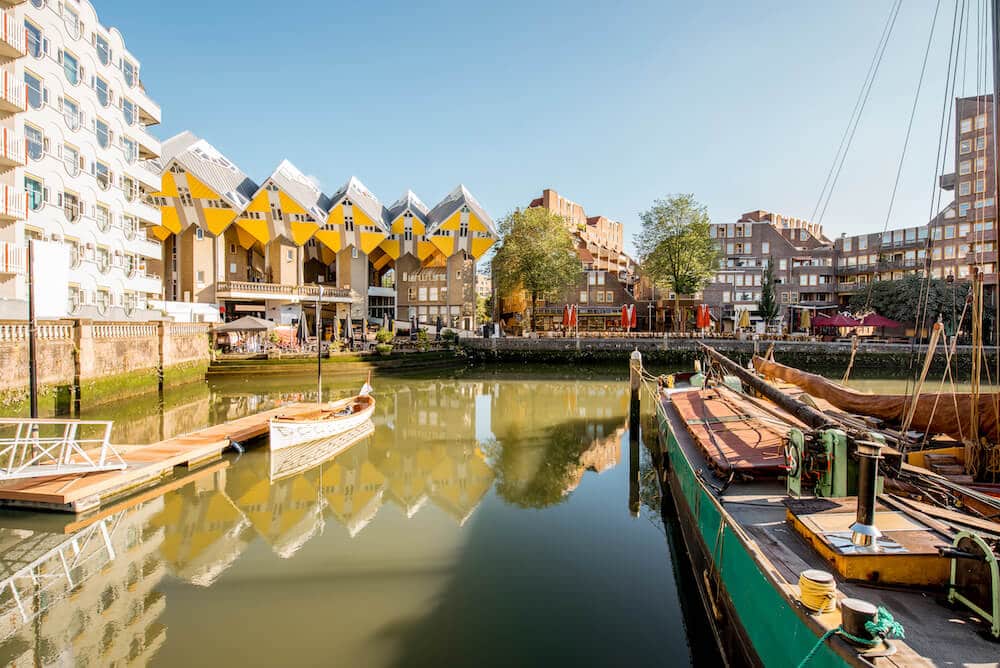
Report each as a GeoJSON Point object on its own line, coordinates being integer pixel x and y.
{"type": "Point", "coordinates": [632, 316]}
{"type": "Point", "coordinates": [876, 320]}
{"type": "Point", "coordinates": [703, 319]}
{"type": "Point", "coordinates": [572, 315]}
{"type": "Point", "coordinates": [835, 321]}
{"type": "Point", "coordinates": [566, 316]}
{"type": "Point", "coordinates": [625, 318]}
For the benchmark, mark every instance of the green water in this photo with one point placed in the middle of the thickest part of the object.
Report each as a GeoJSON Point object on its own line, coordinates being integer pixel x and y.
{"type": "Point", "coordinates": [485, 522]}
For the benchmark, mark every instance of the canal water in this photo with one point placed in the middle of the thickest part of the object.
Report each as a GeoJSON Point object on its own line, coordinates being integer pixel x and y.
{"type": "Point", "coordinates": [485, 522]}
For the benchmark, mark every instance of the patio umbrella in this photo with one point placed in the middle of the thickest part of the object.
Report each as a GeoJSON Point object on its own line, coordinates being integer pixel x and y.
{"type": "Point", "coordinates": [703, 319]}
{"type": "Point", "coordinates": [385, 321]}
{"type": "Point", "coordinates": [805, 319]}
{"type": "Point", "coordinates": [880, 321]}
{"type": "Point", "coordinates": [336, 329]}
{"type": "Point", "coordinates": [837, 320]}
{"type": "Point", "coordinates": [744, 319]}
{"type": "Point", "coordinates": [565, 316]}
{"type": "Point", "coordinates": [302, 331]}
{"type": "Point", "coordinates": [439, 325]}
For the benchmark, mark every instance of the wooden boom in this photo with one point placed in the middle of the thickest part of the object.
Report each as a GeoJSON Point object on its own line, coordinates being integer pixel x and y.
{"type": "Point", "coordinates": [945, 413]}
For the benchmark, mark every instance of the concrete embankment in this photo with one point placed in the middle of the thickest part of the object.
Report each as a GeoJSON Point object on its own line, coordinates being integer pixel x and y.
{"type": "Point", "coordinates": [338, 365]}
{"type": "Point", "coordinates": [679, 352]}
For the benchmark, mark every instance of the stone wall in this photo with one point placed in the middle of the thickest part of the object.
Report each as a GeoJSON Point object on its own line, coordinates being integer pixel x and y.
{"type": "Point", "coordinates": [97, 362]}
{"type": "Point", "coordinates": [875, 358]}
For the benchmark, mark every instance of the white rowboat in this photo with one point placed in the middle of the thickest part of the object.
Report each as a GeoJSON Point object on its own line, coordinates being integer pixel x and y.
{"type": "Point", "coordinates": [329, 420]}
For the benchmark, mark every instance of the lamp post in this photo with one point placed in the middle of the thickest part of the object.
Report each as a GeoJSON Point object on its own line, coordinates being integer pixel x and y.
{"type": "Point", "coordinates": [951, 281]}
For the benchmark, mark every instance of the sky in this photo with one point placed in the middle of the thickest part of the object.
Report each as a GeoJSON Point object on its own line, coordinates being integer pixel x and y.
{"type": "Point", "coordinates": [612, 104]}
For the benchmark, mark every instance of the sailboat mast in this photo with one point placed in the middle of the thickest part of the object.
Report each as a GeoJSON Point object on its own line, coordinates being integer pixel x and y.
{"type": "Point", "coordinates": [995, 5]}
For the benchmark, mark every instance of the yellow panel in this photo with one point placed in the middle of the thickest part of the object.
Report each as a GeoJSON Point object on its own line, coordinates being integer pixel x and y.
{"type": "Point", "coordinates": [336, 216]}
{"type": "Point", "coordinates": [362, 218]}
{"type": "Point", "coordinates": [480, 246]}
{"type": "Point", "coordinates": [217, 220]}
{"type": "Point", "coordinates": [257, 228]}
{"type": "Point", "coordinates": [169, 219]}
{"type": "Point", "coordinates": [398, 226]}
{"type": "Point", "coordinates": [475, 224]}
{"type": "Point", "coordinates": [288, 205]}
{"type": "Point", "coordinates": [332, 239]}
{"type": "Point", "coordinates": [453, 222]}
{"type": "Point", "coordinates": [246, 239]}
{"type": "Point", "coordinates": [424, 249]}
{"type": "Point", "coordinates": [370, 241]}
{"type": "Point", "coordinates": [302, 232]}
{"type": "Point", "coordinates": [418, 226]}
{"type": "Point", "coordinates": [327, 255]}
{"type": "Point", "coordinates": [444, 244]}
{"type": "Point", "coordinates": [381, 262]}
{"type": "Point", "coordinates": [260, 203]}
{"type": "Point", "coordinates": [169, 186]}
{"type": "Point", "coordinates": [391, 247]}
{"type": "Point", "coordinates": [199, 190]}
{"type": "Point", "coordinates": [160, 232]}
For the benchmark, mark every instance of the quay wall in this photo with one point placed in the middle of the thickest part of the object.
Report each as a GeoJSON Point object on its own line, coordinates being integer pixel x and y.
{"type": "Point", "coordinates": [681, 352]}
{"type": "Point", "coordinates": [91, 363]}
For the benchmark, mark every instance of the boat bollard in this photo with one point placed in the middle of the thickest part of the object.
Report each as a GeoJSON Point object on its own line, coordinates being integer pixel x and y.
{"type": "Point", "coordinates": [864, 532]}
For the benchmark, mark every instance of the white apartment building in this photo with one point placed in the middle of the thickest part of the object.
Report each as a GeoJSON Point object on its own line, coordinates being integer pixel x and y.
{"type": "Point", "coordinates": [74, 150]}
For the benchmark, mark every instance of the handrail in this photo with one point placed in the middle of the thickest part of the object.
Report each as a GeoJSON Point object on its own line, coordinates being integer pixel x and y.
{"type": "Point", "coordinates": [30, 454]}
{"type": "Point", "coordinates": [279, 288]}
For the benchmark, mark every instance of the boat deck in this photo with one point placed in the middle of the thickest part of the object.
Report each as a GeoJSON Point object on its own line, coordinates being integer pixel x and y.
{"type": "Point", "coordinates": [146, 465]}
{"type": "Point", "coordinates": [935, 634]}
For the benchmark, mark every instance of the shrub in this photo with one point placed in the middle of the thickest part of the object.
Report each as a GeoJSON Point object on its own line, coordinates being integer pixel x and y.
{"type": "Point", "coordinates": [449, 336]}
{"type": "Point", "coordinates": [383, 335]}
{"type": "Point", "coordinates": [383, 348]}
{"type": "Point", "coordinates": [423, 341]}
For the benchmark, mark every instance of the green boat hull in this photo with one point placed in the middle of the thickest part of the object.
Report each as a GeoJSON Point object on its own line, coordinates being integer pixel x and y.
{"type": "Point", "coordinates": [754, 623]}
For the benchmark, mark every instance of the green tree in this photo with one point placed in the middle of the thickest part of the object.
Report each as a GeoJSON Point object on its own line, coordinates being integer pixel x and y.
{"type": "Point", "coordinates": [675, 247]}
{"type": "Point", "coordinates": [484, 309]}
{"type": "Point", "coordinates": [768, 307]}
{"type": "Point", "coordinates": [536, 254]}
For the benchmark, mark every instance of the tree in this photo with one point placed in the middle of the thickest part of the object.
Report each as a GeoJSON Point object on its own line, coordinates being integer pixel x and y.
{"type": "Point", "coordinates": [536, 254]}
{"type": "Point", "coordinates": [675, 247]}
{"type": "Point", "coordinates": [484, 309]}
{"type": "Point", "coordinates": [767, 307]}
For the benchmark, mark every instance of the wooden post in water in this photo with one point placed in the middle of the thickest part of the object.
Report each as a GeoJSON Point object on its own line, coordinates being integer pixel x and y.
{"type": "Point", "coordinates": [634, 382]}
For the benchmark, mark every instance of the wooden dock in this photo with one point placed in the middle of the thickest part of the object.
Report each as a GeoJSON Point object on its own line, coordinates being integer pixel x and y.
{"type": "Point", "coordinates": [147, 465]}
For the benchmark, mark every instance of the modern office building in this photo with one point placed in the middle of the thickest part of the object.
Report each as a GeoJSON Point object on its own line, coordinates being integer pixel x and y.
{"type": "Point", "coordinates": [75, 152]}
{"type": "Point", "coordinates": [273, 248]}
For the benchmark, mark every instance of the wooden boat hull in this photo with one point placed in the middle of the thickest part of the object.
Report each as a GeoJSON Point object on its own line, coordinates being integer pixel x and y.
{"type": "Point", "coordinates": [289, 433]}
{"type": "Point", "coordinates": [286, 462]}
{"type": "Point", "coordinates": [733, 578]}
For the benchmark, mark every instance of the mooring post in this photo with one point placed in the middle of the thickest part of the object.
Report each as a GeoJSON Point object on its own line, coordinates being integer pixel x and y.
{"type": "Point", "coordinates": [635, 380]}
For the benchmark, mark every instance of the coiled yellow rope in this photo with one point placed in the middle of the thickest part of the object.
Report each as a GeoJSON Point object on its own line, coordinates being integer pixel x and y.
{"type": "Point", "coordinates": [818, 590]}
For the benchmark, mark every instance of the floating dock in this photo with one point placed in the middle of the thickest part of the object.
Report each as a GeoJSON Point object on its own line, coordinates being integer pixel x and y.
{"type": "Point", "coordinates": [146, 465]}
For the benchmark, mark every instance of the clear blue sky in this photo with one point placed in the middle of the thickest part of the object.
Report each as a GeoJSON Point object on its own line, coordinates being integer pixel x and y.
{"type": "Point", "coordinates": [612, 104]}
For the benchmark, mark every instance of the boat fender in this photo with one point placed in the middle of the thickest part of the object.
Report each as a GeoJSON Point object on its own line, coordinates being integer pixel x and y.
{"type": "Point", "coordinates": [237, 447]}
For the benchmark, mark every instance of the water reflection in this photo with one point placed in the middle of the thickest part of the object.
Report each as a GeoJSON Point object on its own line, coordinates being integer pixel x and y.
{"type": "Point", "coordinates": [90, 593]}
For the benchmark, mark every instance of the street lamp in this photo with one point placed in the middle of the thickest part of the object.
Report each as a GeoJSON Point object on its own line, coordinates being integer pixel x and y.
{"type": "Point", "coordinates": [950, 279]}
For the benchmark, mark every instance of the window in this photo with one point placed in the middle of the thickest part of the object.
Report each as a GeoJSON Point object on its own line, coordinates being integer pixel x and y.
{"type": "Point", "coordinates": [980, 185]}
{"type": "Point", "coordinates": [980, 164]}
{"type": "Point", "coordinates": [963, 208]}
{"type": "Point", "coordinates": [583, 296]}
{"type": "Point", "coordinates": [965, 146]}
{"type": "Point", "coordinates": [71, 67]}
{"type": "Point", "coordinates": [862, 243]}
{"type": "Point", "coordinates": [102, 132]}
{"type": "Point", "coordinates": [949, 252]}
{"type": "Point", "coordinates": [201, 278]}
{"type": "Point", "coordinates": [966, 125]}
{"type": "Point", "coordinates": [949, 232]}
{"type": "Point", "coordinates": [101, 88]}
{"type": "Point", "coordinates": [847, 245]}
{"type": "Point", "coordinates": [130, 149]}
{"type": "Point", "coordinates": [33, 86]}
{"type": "Point", "coordinates": [289, 254]}
{"type": "Point", "coordinates": [128, 111]}
{"type": "Point", "coordinates": [36, 43]}
{"type": "Point", "coordinates": [765, 248]}
{"type": "Point", "coordinates": [432, 294]}
{"type": "Point", "coordinates": [103, 175]}
{"type": "Point", "coordinates": [71, 112]}
{"type": "Point", "coordinates": [199, 234]}
{"type": "Point", "coordinates": [103, 50]}
{"type": "Point", "coordinates": [35, 141]}
{"type": "Point", "coordinates": [981, 122]}
{"type": "Point", "coordinates": [354, 252]}
{"type": "Point", "coordinates": [783, 264]}
{"type": "Point", "coordinates": [963, 229]}
{"type": "Point", "coordinates": [965, 188]}
{"type": "Point", "coordinates": [103, 217]}
{"type": "Point", "coordinates": [965, 167]}
{"type": "Point", "coordinates": [128, 69]}
{"type": "Point", "coordinates": [936, 253]}
{"type": "Point", "coordinates": [599, 297]}
{"type": "Point", "coordinates": [609, 297]}
{"type": "Point", "coordinates": [71, 159]}
{"type": "Point", "coordinates": [71, 207]}
{"type": "Point", "coordinates": [422, 294]}
{"type": "Point", "coordinates": [980, 143]}
{"type": "Point", "coordinates": [35, 192]}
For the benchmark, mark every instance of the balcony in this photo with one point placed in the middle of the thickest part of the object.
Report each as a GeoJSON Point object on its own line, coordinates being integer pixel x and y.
{"type": "Point", "coordinates": [140, 245]}
{"type": "Point", "coordinates": [12, 150]}
{"type": "Point", "coordinates": [984, 235]}
{"type": "Point", "coordinates": [149, 146]}
{"type": "Point", "coordinates": [11, 203]}
{"type": "Point", "coordinates": [13, 259]}
{"type": "Point", "coordinates": [248, 290]}
{"type": "Point", "coordinates": [146, 283]}
{"type": "Point", "coordinates": [12, 37]}
{"type": "Point", "coordinates": [12, 100]}
{"type": "Point", "coordinates": [11, 3]}
{"type": "Point", "coordinates": [980, 257]}
{"type": "Point", "coordinates": [911, 263]}
{"type": "Point", "coordinates": [145, 172]}
{"type": "Point", "coordinates": [851, 287]}
{"type": "Point", "coordinates": [143, 210]}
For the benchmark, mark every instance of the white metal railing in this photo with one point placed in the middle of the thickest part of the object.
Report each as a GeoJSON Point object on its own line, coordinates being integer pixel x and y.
{"type": "Point", "coordinates": [12, 90]}
{"type": "Point", "coordinates": [12, 147]}
{"type": "Point", "coordinates": [12, 32]}
{"type": "Point", "coordinates": [11, 202]}
{"type": "Point", "coordinates": [39, 447]}
{"type": "Point", "coordinates": [13, 259]}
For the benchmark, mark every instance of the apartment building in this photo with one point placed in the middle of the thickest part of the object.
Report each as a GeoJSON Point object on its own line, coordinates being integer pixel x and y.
{"type": "Point", "coordinates": [75, 152]}
{"type": "Point", "coordinates": [269, 249]}
{"type": "Point", "coordinates": [610, 277]}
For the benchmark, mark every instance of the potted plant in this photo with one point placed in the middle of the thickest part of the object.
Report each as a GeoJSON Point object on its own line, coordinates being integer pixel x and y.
{"type": "Point", "coordinates": [383, 338]}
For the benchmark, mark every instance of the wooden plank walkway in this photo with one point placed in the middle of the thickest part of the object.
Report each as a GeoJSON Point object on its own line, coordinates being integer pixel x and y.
{"type": "Point", "coordinates": [147, 465]}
